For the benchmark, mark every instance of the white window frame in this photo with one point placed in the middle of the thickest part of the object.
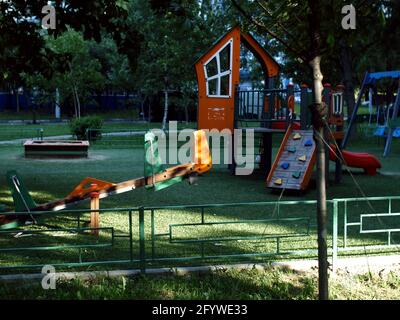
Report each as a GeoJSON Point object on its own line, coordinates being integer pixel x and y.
{"type": "Point", "coordinates": [337, 103]}
{"type": "Point", "coordinates": [220, 74]}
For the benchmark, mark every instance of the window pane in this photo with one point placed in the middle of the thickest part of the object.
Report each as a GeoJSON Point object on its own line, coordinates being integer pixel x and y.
{"type": "Point", "coordinates": [225, 58]}
{"type": "Point", "coordinates": [225, 85]}
{"type": "Point", "coordinates": [212, 87]}
{"type": "Point", "coordinates": [212, 68]}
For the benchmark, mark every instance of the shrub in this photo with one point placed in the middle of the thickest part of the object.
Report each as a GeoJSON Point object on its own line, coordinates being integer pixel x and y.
{"type": "Point", "coordinates": [79, 127]}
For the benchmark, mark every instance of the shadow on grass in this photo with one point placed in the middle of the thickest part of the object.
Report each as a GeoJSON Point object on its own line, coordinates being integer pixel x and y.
{"type": "Point", "coordinates": [223, 284]}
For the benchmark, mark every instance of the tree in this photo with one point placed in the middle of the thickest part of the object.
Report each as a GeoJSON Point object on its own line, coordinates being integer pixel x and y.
{"type": "Point", "coordinates": [310, 54]}
{"type": "Point", "coordinates": [20, 23]}
{"type": "Point", "coordinates": [79, 76]}
{"type": "Point", "coordinates": [347, 53]}
{"type": "Point", "coordinates": [311, 32]}
{"type": "Point", "coordinates": [115, 66]}
{"type": "Point", "coordinates": [174, 34]}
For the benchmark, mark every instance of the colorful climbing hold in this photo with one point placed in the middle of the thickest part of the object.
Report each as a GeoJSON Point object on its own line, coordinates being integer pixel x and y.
{"type": "Point", "coordinates": [308, 143]}
{"type": "Point", "coordinates": [296, 174]}
{"type": "Point", "coordinates": [278, 181]}
{"type": "Point", "coordinates": [285, 165]}
{"type": "Point", "coordinates": [303, 158]}
{"type": "Point", "coordinates": [296, 136]}
{"type": "Point", "coordinates": [292, 149]}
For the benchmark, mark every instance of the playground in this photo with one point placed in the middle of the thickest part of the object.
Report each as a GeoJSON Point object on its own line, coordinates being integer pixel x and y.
{"type": "Point", "coordinates": [246, 219]}
{"type": "Point", "coordinates": [85, 194]}
{"type": "Point", "coordinates": [220, 216]}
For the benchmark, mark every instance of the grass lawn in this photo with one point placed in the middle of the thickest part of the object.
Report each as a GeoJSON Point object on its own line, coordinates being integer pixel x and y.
{"type": "Point", "coordinates": [28, 131]}
{"type": "Point", "coordinates": [118, 160]}
{"type": "Point", "coordinates": [271, 283]}
{"type": "Point", "coordinates": [106, 115]}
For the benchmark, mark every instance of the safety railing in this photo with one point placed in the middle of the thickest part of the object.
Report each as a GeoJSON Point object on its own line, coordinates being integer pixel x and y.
{"type": "Point", "coordinates": [72, 245]}
{"type": "Point", "coordinates": [144, 237]}
{"type": "Point", "coordinates": [253, 104]}
{"type": "Point", "coordinates": [265, 106]}
{"type": "Point", "coordinates": [153, 236]}
{"type": "Point", "coordinates": [366, 225]}
{"type": "Point", "coordinates": [236, 230]}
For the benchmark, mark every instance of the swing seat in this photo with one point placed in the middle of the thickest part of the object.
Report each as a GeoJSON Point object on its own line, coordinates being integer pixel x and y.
{"type": "Point", "coordinates": [380, 131]}
{"type": "Point", "coordinates": [396, 132]}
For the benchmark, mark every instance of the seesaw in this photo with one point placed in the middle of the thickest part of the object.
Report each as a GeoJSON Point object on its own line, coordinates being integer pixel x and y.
{"type": "Point", "coordinates": [155, 176]}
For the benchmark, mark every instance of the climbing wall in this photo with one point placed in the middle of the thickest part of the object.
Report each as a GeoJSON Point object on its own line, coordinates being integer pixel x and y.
{"type": "Point", "coordinates": [294, 162]}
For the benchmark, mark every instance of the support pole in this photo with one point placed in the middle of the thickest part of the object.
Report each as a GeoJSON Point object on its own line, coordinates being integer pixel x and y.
{"type": "Point", "coordinates": [339, 128]}
{"type": "Point", "coordinates": [354, 114]}
{"type": "Point", "coordinates": [289, 104]}
{"type": "Point", "coordinates": [232, 164]}
{"type": "Point", "coordinates": [304, 118]}
{"type": "Point", "coordinates": [266, 157]}
{"type": "Point", "coordinates": [95, 215]}
{"type": "Point", "coordinates": [389, 138]}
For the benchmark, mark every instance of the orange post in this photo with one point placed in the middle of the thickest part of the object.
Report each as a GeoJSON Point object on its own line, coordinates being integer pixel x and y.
{"type": "Point", "coordinates": [95, 215]}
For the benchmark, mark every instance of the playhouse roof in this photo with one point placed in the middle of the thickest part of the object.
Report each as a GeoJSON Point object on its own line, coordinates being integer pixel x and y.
{"type": "Point", "coordinates": [252, 44]}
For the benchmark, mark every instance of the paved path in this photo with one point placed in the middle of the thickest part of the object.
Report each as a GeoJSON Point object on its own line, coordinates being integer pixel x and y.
{"type": "Point", "coordinates": [69, 137]}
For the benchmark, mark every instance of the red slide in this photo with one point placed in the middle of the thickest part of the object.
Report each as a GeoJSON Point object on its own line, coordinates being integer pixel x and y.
{"type": "Point", "coordinates": [363, 160]}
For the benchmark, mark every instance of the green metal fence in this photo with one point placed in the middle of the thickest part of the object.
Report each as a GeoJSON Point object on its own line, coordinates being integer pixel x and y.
{"type": "Point", "coordinates": [46, 243]}
{"type": "Point", "coordinates": [146, 237]}
{"type": "Point", "coordinates": [230, 231]}
{"type": "Point", "coordinates": [366, 225]}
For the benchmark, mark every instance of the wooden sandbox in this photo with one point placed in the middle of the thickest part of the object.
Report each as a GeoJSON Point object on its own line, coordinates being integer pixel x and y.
{"type": "Point", "coordinates": [56, 148]}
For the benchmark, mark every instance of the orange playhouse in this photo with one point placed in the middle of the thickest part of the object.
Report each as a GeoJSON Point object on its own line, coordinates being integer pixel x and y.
{"type": "Point", "coordinates": [218, 77]}
{"type": "Point", "coordinates": [222, 104]}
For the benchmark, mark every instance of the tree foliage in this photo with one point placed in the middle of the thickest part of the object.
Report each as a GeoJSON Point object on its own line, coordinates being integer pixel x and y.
{"type": "Point", "coordinates": [76, 77]}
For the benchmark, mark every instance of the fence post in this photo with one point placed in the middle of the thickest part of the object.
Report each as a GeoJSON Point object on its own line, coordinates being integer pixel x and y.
{"type": "Point", "coordinates": [153, 246]}
{"type": "Point", "coordinates": [142, 248]}
{"type": "Point", "coordinates": [335, 235]}
{"type": "Point", "coordinates": [130, 236]}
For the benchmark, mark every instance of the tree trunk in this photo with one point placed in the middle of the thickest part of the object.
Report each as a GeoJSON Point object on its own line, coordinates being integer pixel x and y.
{"type": "Point", "coordinates": [142, 107]}
{"type": "Point", "coordinates": [164, 122]}
{"type": "Point", "coordinates": [30, 106]}
{"type": "Point", "coordinates": [74, 101]}
{"type": "Point", "coordinates": [186, 114]}
{"type": "Point", "coordinates": [321, 181]}
{"type": "Point", "coordinates": [78, 103]}
{"type": "Point", "coordinates": [17, 100]}
{"type": "Point", "coordinates": [347, 71]}
{"type": "Point", "coordinates": [149, 116]}
{"type": "Point", "coordinates": [57, 109]}
{"type": "Point", "coordinates": [319, 114]}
